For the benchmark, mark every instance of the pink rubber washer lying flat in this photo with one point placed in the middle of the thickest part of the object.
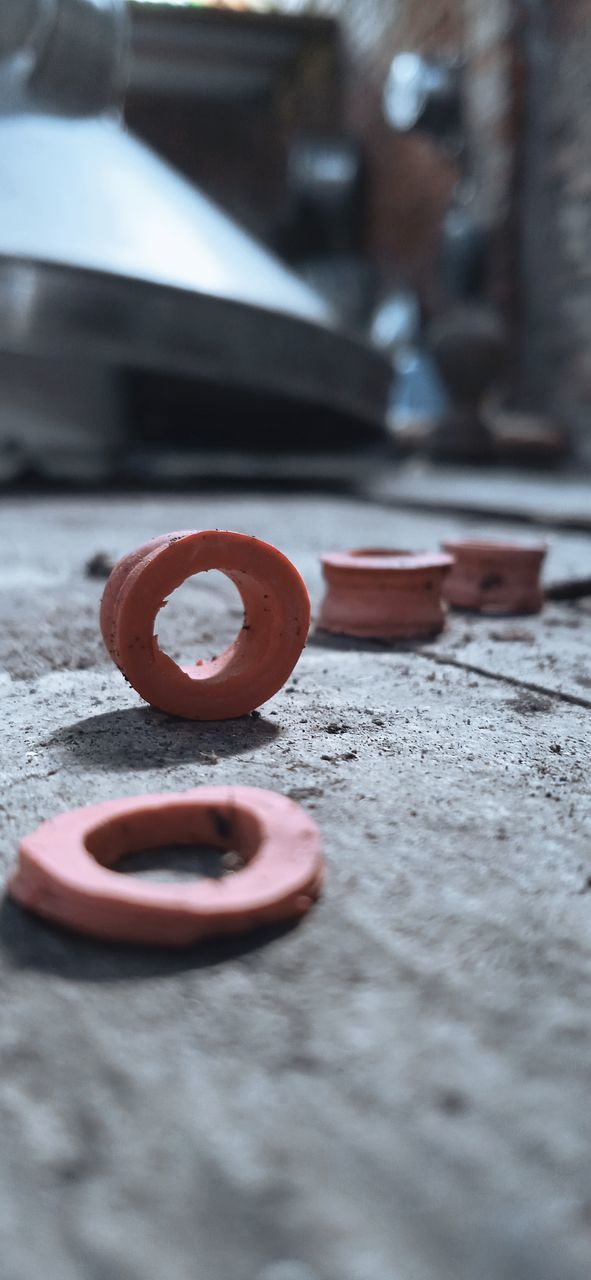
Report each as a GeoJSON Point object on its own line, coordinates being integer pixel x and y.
{"type": "Point", "coordinates": [64, 868]}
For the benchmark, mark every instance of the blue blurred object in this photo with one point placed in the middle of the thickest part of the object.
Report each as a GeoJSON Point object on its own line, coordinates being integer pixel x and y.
{"type": "Point", "coordinates": [418, 394]}
{"type": "Point", "coordinates": [424, 95]}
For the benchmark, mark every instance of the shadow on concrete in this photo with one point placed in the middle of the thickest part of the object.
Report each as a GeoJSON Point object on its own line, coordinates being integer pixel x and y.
{"type": "Point", "coordinates": [28, 942]}
{"type": "Point", "coordinates": [353, 644]}
{"type": "Point", "coordinates": [142, 738]}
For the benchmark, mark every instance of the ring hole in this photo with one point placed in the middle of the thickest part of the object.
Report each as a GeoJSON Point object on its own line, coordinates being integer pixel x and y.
{"type": "Point", "coordinates": [200, 619]}
{"type": "Point", "coordinates": [178, 842]}
{"type": "Point", "coordinates": [181, 862]}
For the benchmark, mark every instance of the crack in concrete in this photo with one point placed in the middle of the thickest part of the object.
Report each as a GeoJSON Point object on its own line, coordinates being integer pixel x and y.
{"type": "Point", "coordinates": [569, 589]}
{"type": "Point", "coordinates": [443, 660]}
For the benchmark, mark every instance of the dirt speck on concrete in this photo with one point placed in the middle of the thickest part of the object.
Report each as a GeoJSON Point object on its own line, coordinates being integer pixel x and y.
{"type": "Point", "coordinates": [528, 704]}
{"type": "Point", "coordinates": [452, 1102]}
{"type": "Point", "coordinates": [305, 793]}
{"type": "Point", "coordinates": [100, 565]}
{"type": "Point", "coordinates": [513, 635]}
{"type": "Point", "coordinates": [343, 755]}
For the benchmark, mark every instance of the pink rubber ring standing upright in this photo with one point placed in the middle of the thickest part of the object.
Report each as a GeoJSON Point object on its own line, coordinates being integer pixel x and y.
{"type": "Point", "coordinates": [258, 662]}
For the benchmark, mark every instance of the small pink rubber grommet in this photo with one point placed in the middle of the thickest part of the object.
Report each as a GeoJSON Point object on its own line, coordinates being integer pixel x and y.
{"type": "Point", "coordinates": [495, 577]}
{"type": "Point", "coordinates": [384, 594]}
{"type": "Point", "coordinates": [258, 662]}
{"type": "Point", "coordinates": [64, 868]}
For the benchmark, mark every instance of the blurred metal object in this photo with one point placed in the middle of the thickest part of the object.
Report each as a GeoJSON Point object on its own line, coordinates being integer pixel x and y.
{"type": "Point", "coordinates": [418, 398]}
{"type": "Point", "coordinates": [321, 230]}
{"type": "Point", "coordinates": [464, 252]}
{"type": "Point", "coordinates": [396, 322]}
{"type": "Point", "coordinates": [108, 256]}
{"type": "Point", "coordinates": [469, 346]}
{"type": "Point", "coordinates": [58, 417]}
{"type": "Point", "coordinates": [67, 56]}
{"type": "Point", "coordinates": [17, 21]}
{"type": "Point", "coordinates": [424, 95]}
{"type": "Point", "coordinates": [106, 252]}
{"type": "Point", "coordinates": [325, 197]}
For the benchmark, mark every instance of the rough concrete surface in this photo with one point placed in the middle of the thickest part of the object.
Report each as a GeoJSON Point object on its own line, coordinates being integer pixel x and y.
{"type": "Point", "coordinates": [398, 1088]}
{"type": "Point", "coordinates": [538, 497]}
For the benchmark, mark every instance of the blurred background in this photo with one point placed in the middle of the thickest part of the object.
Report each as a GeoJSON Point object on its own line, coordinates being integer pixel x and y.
{"type": "Point", "coordinates": [292, 239]}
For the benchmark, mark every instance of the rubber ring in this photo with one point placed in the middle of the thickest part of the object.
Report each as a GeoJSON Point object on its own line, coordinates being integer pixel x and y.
{"type": "Point", "coordinates": [258, 662]}
{"type": "Point", "coordinates": [495, 577]}
{"type": "Point", "coordinates": [384, 594]}
{"type": "Point", "coordinates": [64, 869]}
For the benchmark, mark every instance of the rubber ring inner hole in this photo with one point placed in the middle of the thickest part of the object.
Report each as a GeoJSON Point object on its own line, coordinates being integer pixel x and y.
{"type": "Point", "coordinates": [178, 862]}
{"type": "Point", "coordinates": [166, 862]}
{"type": "Point", "coordinates": [177, 844]}
{"type": "Point", "coordinates": [199, 620]}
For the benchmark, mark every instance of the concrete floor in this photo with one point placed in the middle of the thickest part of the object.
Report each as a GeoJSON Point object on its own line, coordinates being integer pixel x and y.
{"type": "Point", "coordinates": [398, 1088]}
